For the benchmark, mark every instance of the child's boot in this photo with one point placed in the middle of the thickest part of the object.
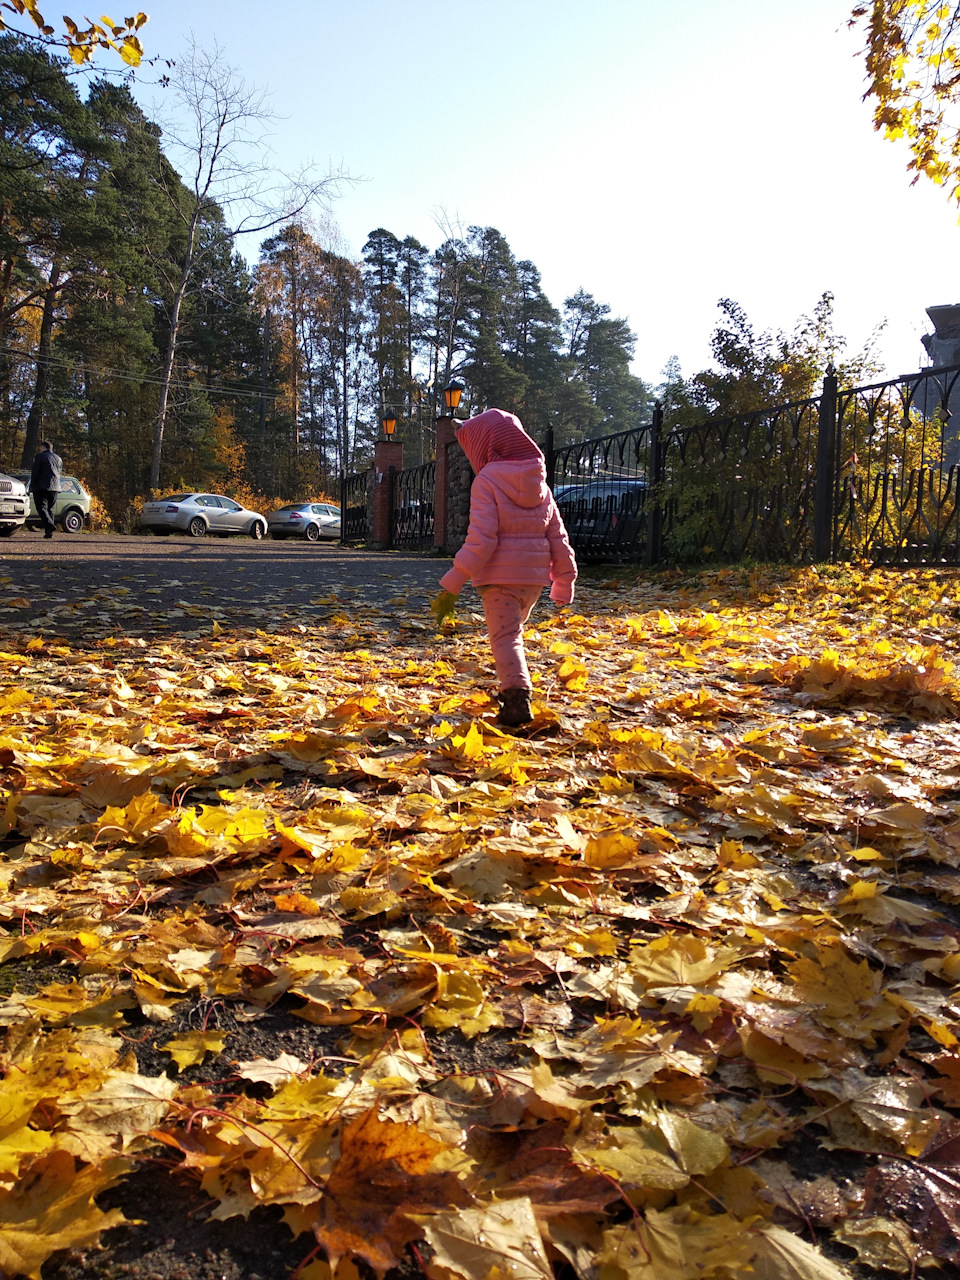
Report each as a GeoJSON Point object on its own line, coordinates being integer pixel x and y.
{"type": "Point", "coordinates": [514, 708]}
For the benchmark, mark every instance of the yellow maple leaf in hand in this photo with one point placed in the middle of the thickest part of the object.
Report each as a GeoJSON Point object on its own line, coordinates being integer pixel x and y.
{"type": "Point", "coordinates": [442, 606]}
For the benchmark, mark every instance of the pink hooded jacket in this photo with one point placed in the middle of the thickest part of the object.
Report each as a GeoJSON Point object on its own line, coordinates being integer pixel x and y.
{"type": "Point", "coordinates": [516, 536]}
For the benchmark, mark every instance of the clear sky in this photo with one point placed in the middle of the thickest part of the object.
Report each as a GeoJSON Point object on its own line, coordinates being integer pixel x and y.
{"type": "Point", "coordinates": [659, 155]}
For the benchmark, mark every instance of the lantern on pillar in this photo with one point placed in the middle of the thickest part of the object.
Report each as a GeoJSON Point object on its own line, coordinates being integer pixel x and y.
{"type": "Point", "coordinates": [451, 397]}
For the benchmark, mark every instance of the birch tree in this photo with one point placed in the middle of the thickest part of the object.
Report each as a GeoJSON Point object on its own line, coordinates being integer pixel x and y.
{"type": "Point", "coordinates": [218, 141]}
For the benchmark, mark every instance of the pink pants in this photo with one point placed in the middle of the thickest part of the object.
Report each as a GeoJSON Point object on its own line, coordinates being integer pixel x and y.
{"type": "Point", "coordinates": [506, 609]}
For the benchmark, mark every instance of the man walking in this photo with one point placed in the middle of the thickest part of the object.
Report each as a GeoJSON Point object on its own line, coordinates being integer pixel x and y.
{"type": "Point", "coordinates": [45, 484]}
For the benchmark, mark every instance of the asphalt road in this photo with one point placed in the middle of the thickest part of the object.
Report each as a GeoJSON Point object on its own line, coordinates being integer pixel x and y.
{"type": "Point", "coordinates": [103, 584]}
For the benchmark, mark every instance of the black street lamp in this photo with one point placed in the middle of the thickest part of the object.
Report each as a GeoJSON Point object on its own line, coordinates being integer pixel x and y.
{"type": "Point", "coordinates": [451, 397]}
{"type": "Point", "coordinates": [389, 420]}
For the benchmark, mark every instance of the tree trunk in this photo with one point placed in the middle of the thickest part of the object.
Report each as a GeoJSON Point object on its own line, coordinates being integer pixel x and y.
{"type": "Point", "coordinates": [170, 355]}
{"type": "Point", "coordinates": [264, 376]}
{"type": "Point", "coordinates": [35, 417]}
{"type": "Point", "coordinates": [6, 276]}
{"type": "Point", "coordinates": [345, 393]}
{"type": "Point", "coordinates": [92, 435]}
{"type": "Point", "coordinates": [295, 351]}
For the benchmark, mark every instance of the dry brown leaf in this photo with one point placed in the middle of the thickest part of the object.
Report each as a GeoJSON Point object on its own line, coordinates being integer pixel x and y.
{"type": "Point", "coordinates": [381, 1178]}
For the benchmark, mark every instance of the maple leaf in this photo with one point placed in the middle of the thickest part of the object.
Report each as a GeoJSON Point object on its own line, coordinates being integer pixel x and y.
{"type": "Point", "coordinates": [883, 1243]}
{"type": "Point", "coordinates": [818, 1201]}
{"type": "Point", "coordinates": [499, 1239]}
{"type": "Point", "coordinates": [60, 1003]}
{"type": "Point", "coordinates": [779, 1255]}
{"type": "Point", "coordinates": [639, 1158]}
{"type": "Point", "coordinates": [443, 606]}
{"type": "Point", "coordinates": [678, 1244]}
{"type": "Point", "coordinates": [190, 1049]}
{"type": "Point", "coordinates": [543, 1172]}
{"type": "Point", "coordinates": [52, 1208]}
{"type": "Point", "coordinates": [381, 1178]}
{"type": "Point", "coordinates": [877, 1114]}
{"type": "Point", "coordinates": [846, 993]}
{"type": "Point", "coordinates": [924, 1192]}
{"type": "Point", "coordinates": [126, 1105]}
{"type": "Point", "coordinates": [274, 1071]}
{"type": "Point", "coordinates": [461, 1002]}
{"type": "Point", "coordinates": [679, 960]}
{"type": "Point", "coordinates": [651, 869]}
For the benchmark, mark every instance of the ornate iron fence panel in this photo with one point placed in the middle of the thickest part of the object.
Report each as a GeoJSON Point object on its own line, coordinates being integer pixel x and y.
{"type": "Point", "coordinates": [897, 468]}
{"type": "Point", "coordinates": [719, 490]}
{"type": "Point", "coordinates": [602, 487]}
{"type": "Point", "coordinates": [741, 487]}
{"type": "Point", "coordinates": [355, 507]}
{"type": "Point", "coordinates": [412, 507]}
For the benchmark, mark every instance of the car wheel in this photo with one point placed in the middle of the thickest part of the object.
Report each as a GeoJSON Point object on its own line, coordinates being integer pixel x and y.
{"type": "Point", "coordinates": [197, 527]}
{"type": "Point", "coordinates": [72, 521]}
{"type": "Point", "coordinates": [7, 530]}
{"type": "Point", "coordinates": [257, 531]}
{"type": "Point", "coordinates": [311, 533]}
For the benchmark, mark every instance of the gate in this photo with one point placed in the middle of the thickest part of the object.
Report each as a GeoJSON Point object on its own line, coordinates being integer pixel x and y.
{"type": "Point", "coordinates": [412, 495]}
{"type": "Point", "coordinates": [355, 507]}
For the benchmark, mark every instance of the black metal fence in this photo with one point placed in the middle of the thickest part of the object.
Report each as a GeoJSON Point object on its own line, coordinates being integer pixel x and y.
{"type": "Point", "coordinates": [602, 488]}
{"type": "Point", "coordinates": [868, 471]}
{"type": "Point", "coordinates": [355, 508]}
{"type": "Point", "coordinates": [743, 487]}
{"type": "Point", "coordinates": [895, 475]}
{"type": "Point", "coordinates": [412, 497]}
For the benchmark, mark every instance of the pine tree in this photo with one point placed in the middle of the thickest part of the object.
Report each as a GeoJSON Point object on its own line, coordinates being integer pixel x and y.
{"type": "Point", "coordinates": [389, 325]}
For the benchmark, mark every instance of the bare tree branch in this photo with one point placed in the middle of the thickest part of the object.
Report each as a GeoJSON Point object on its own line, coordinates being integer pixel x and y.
{"type": "Point", "coordinates": [219, 137]}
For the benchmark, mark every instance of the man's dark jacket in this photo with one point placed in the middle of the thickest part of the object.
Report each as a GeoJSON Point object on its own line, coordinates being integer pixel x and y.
{"type": "Point", "coordinates": [45, 473]}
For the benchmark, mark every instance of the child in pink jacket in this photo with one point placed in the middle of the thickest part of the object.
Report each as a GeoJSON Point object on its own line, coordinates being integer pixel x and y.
{"type": "Point", "coordinates": [516, 544]}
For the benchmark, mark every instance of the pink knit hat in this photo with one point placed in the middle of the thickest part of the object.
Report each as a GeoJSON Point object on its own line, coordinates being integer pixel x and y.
{"type": "Point", "coordinates": [496, 436]}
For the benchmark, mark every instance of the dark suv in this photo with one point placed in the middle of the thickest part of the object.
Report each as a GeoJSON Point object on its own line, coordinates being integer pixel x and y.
{"type": "Point", "coordinates": [603, 514]}
{"type": "Point", "coordinates": [71, 511]}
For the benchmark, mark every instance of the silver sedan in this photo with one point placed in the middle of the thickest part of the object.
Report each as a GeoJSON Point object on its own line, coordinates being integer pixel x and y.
{"type": "Point", "coordinates": [310, 520]}
{"type": "Point", "coordinates": [201, 513]}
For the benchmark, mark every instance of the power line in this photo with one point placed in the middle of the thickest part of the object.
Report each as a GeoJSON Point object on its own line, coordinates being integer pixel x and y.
{"type": "Point", "coordinates": [21, 357]}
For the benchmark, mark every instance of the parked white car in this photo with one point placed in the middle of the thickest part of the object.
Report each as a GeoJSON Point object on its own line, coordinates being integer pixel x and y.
{"type": "Point", "coordinates": [201, 513]}
{"type": "Point", "coordinates": [14, 505]}
{"type": "Point", "coordinates": [310, 520]}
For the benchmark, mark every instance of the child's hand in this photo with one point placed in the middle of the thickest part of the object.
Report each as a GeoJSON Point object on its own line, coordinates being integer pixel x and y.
{"type": "Point", "coordinates": [442, 606]}
{"type": "Point", "coordinates": [561, 593]}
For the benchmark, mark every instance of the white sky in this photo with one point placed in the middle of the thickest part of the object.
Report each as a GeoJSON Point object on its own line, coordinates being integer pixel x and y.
{"type": "Point", "coordinates": [661, 156]}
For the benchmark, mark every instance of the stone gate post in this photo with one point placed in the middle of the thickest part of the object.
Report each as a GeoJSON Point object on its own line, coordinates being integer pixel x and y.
{"type": "Point", "coordinates": [387, 458]}
{"type": "Point", "coordinates": [444, 438]}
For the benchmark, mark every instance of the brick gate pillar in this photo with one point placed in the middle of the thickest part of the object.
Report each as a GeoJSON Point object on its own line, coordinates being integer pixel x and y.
{"type": "Point", "coordinates": [444, 438]}
{"type": "Point", "coordinates": [387, 458]}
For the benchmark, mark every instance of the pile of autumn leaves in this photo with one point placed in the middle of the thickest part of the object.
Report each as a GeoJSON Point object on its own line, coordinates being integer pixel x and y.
{"type": "Point", "coordinates": [709, 901]}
